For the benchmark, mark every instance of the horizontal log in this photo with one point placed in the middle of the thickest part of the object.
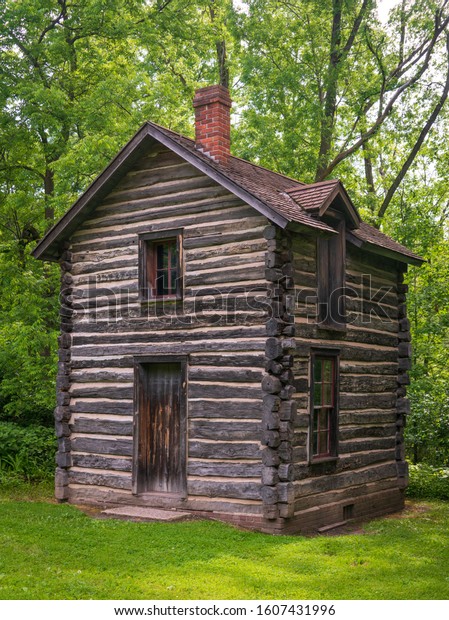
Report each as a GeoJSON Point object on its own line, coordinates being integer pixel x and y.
{"type": "Point", "coordinates": [366, 263]}
{"type": "Point", "coordinates": [220, 261]}
{"type": "Point", "coordinates": [108, 407]}
{"type": "Point", "coordinates": [377, 320]}
{"type": "Point", "coordinates": [96, 257]}
{"type": "Point", "coordinates": [363, 384]}
{"type": "Point", "coordinates": [119, 392]}
{"type": "Point", "coordinates": [101, 426]}
{"type": "Point", "coordinates": [363, 459]}
{"type": "Point", "coordinates": [245, 274]}
{"type": "Point", "coordinates": [222, 390]}
{"type": "Point", "coordinates": [97, 461]}
{"type": "Point", "coordinates": [367, 417]}
{"type": "Point", "coordinates": [315, 501]}
{"type": "Point", "coordinates": [236, 489]}
{"type": "Point", "coordinates": [223, 450]}
{"type": "Point", "coordinates": [104, 495]}
{"type": "Point", "coordinates": [225, 408]}
{"type": "Point", "coordinates": [96, 337]}
{"type": "Point", "coordinates": [119, 447]}
{"type": "Point", "coordinates": [362, 445]}
{"type": "Point", "coordinates": [106, 480]}
{"type": "Point", "coordinates": [222, 238]}
{"type": "Point", "coordinates": [353, 334]}
{"type": "Point", "coordinates": [165, 348]}
{"type": "Point", "coordinates": [366, 431]}
{"type": "Point", "coordinates": [225, 374]}
{"type": "Point", "coordinates": [322, 484]}
{"type": "Point", "coordinates": [104, 376]}
{"type": "Point", "coordinates": [227, 469]}
{"type": "Point", "coordinates": [151, 202]}
{"type": "Point", "coordinates": [367, 401]}
{"type": "Point", "coordinates": [162, 186]}
{"type": "Point", "coordinates": [222, 431]}
{"type": "Point", "coordinates": [228, 360]}
{"type": "Point", "coordinates": [348, 367]}
{"type": "Point", "coordinates": [145, 176]}
{"type": "Point", "coordinates": [224, 252]}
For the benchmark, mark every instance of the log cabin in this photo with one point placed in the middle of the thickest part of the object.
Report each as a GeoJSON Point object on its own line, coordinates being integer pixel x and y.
{"type": "Point", "coordinates": [234, 343]}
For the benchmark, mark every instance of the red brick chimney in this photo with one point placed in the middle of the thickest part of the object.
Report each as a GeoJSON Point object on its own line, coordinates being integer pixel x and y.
{"type": "Point", "coordinates": [213, 122]}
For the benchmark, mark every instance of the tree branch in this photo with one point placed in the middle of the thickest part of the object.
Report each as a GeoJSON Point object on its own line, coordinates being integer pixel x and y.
{"type": "Point", "coordinates": [355, 28]}
{"type": "Point", "coordinates": [383, 115]}
{"type": "Point", "coordinates": [55, 22]}
{"type": "Point", "coordinates": [422, 136]}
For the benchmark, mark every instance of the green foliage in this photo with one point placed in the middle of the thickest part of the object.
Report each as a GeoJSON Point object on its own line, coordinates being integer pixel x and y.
{"type": "Point", "coordinates": [427, 482]}
{"type": "Point", "coordinates": [78, 79]}
{"type": "Point", "coordinates": [28, 328]}
{"type": "Point", "coordinates": [26, 453]}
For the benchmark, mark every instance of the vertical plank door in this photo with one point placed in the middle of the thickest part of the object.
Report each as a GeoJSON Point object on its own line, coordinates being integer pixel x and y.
{"type": "Point", "coordinates": [160, 458]}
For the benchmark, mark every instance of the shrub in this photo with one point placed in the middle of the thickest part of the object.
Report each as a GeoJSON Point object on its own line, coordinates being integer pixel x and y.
{"type": "Point", "coordinates": [427, 482]}
{"type": "Point", "coordinates": [27, 452]}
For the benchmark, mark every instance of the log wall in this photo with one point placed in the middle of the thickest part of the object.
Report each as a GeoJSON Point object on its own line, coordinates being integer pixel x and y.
{"type": "Point", "coordinates": [219, 325]}
{"type": "Point", "coordinates": [367, 477]}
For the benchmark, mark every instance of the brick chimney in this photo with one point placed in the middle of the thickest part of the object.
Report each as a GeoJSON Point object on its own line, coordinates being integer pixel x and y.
{"type": "Point", "coordinates": [213, 122]}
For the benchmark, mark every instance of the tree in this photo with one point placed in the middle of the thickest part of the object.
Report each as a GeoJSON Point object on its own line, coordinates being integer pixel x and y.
{"type": "Point", "coordinates": [324, 79]}
{"type": "Point", "coordinates": [77, 80]}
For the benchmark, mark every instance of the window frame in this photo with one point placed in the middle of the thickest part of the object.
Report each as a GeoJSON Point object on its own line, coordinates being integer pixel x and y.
{"type": "Point", "coordinates": [332, 454]}
{"type": "Point", "coordinates": [331, 276]}
{"type": "Point", "coordinates": [148, 264]}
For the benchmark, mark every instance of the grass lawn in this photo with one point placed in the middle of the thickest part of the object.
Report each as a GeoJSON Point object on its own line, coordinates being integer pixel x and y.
{"type": "Point", "coordinates": [50, 551]}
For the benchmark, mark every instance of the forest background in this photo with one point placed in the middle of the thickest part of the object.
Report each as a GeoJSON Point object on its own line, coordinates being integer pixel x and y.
{"type": "Point", "coordinates": [321, 89]}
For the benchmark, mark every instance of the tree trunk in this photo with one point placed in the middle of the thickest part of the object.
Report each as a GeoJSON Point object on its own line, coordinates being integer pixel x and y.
{"type": "Point", "coordinates": [49, 188]}
{"type": "Point", "coordinates": [330, 102]}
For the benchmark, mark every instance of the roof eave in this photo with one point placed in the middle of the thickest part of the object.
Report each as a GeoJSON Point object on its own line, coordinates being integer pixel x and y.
{"type": "Point", "coordinates": [380, 250]}
{"type": "Point", "coordinates": [339, 190]}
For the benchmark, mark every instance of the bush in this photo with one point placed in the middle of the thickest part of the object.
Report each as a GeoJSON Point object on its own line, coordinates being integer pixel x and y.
{"type": "Point", "coordinates": [427, 482]}
{"type": "Point", "coordinates": [27, 452]}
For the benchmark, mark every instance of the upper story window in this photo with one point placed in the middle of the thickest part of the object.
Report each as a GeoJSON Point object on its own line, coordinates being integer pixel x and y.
{"type": "Point", "coordinates": [331, 257]}
{"type": "Point", "coordinates": [160, 265]}
{"type": "Point", "coordinates": [324, 406]}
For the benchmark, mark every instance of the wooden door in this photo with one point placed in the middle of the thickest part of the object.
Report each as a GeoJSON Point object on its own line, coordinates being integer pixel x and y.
{"type": "Point", "coordinates": [160, 433]}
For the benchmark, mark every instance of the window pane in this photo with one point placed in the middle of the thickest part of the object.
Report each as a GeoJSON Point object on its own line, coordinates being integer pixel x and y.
{"type": "Point", "coordinates": [161, 283]}
{"type": "Point", "coordinates": [317, 394]}
{"type": "Point", "coordinates": [324, 442]}
{"type": "Point", "coordinates": [327, 394]}
{"type": "Point", "coordinates": [162, 255]}
{"type": "Point", "coordinates": [315, 443]}
{"type": "Point", "coordinates": [172, 287]}
{"type": "Point", "coordinates": [317, 370]}
{"type": "Point", "coordinates": [327, 370]}
{"type": "Point", "coordinates": [173, 255]}
{"type": "Point", "coordinates": [324, 419]}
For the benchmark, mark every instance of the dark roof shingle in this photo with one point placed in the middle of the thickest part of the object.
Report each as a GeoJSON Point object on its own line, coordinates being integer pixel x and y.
{"type": "Point", "coordinates": [369, 234]}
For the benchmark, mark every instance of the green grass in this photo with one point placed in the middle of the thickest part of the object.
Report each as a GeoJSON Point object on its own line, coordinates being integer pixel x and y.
{"type": "Point", "coordinates": [54, 551]}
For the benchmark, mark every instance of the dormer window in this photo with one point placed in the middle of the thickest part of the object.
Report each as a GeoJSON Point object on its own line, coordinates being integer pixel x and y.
{"type": "Point", "coordinates": [331, 256]}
